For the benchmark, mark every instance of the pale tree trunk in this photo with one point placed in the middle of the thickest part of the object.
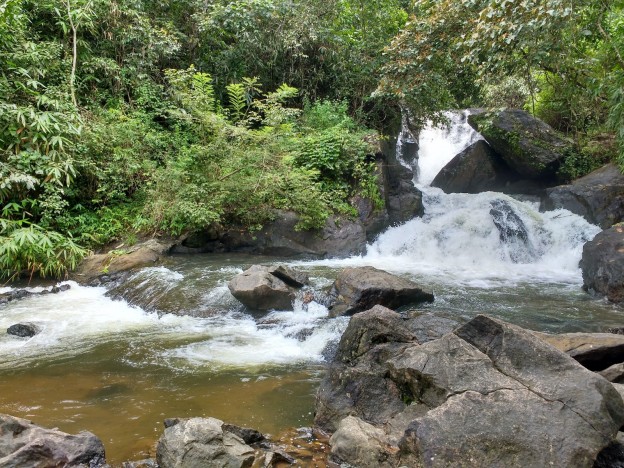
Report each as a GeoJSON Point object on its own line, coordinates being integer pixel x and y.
{"type": "Point", "coordinates": [72, 76]}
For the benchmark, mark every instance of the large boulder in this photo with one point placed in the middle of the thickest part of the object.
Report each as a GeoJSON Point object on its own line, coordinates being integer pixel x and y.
{"type": "Point", "coordinates": [476, 169]}
{"type": "Point", "coordinates": [26, 445]}
{"type": "Point", "coordinates": [488, 394]}
{"type": "Point", "coordinates": [598, 196]}
{"type": "Point", "coordinates": [202, 442]}
{"type": "Point", "coordinates": [529, 146]}
{"type": "Point", "coordinates": [265, 288]}
{"type": "Point", "coordinates": [359, 289]}
{"type": "Point", "coordinates": [603, 264]}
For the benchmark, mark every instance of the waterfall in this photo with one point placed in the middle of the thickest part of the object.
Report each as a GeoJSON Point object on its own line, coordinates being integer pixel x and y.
{"type": "Point", "coordinates": [438, 145]}
{"type": "Point", "coordinates": [487, 235]}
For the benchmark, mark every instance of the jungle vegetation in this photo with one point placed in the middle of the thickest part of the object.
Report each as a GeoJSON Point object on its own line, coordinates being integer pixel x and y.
{"type": "Point", "coordinates": [125, 117]}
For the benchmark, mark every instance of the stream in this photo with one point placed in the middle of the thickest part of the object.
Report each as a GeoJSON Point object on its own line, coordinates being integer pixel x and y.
{"type": "Point", "coordinates": [179, 345]}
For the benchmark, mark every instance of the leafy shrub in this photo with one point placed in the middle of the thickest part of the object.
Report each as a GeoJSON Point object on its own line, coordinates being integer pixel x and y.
{"type": "Point", "coordinates": [28, 248]}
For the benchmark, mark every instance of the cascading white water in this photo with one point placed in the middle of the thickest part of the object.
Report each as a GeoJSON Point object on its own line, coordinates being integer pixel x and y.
{"type": "Point", "coordinates": [458, 238]}
{"type": "Point", "coordinates": [438, 145]}
{"type": "Point", "coordinates": [74, 321]}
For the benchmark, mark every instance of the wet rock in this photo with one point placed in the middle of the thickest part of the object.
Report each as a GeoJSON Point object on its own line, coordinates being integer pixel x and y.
{"type": "Point", "coordinates": [60, 288]}
{"type": "Point", "coordinates": [603, 264]}
{"type": "Point", "coordinates": [359, 289]}
{"type": "Point", "coordinates": [512, 231]}
{"type": "Point", "coordinates": [403, 200]}
{"type": "Point", "coordinates": [598, 197]}
{"type": "Point", "coordinates": [201, 442]}
{"type": "Point", "coordinates": [26, 445]}
{"type": "Point", "coordinates": [488, 394]}
{"type": "Point", "coordinates": [23, 330]}
{"type": "Point", "coordinates": [259, 289]}
{"type": "Point", "coordinates": [14, 295]}
{"type": "Point", "coordinates": [122, 259]}
{"type": "Point", "coordinates": [147, 463]}
{"type": "Point", "coordinates": [249, 436]}
{"type": "Point", "coordinates": [476, 169]}
{"type": "Point", "coordinates": [277, 458]}
{"type": "Point", "coordinates": [529, 146]}
{"type": "Point", "coordinates": [595, 351]}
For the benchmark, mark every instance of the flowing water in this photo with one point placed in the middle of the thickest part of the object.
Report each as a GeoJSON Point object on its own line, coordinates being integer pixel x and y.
{"type": "Point", "coordinates": [180, 345]}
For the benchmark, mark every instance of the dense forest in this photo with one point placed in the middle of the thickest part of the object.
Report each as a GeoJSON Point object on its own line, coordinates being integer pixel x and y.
{"type": "Point", "coordinates": [131, 117]}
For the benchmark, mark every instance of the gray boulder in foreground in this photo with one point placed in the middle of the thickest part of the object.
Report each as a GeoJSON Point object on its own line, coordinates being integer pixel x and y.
{"type": "Point", "coordinates": [26, 445]}
{"type": "Point", "coordinates": [359, 289]}
{"type": "Point", "coordinates": [202, 442]}
{"type": "Point", "coordinates": [265, 288]}
{"type": "Point", "coordinates": [487, 394]}
{"type": "Point", "coordinates": [603, 264]}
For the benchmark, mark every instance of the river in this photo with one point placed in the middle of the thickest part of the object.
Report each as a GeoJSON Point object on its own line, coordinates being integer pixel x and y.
{"type": "Point", "coordinates": [180, 345]}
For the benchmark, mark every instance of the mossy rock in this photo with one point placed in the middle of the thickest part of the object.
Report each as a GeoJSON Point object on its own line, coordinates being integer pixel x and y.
{"type": "Point", "coordinates": [529, 146]}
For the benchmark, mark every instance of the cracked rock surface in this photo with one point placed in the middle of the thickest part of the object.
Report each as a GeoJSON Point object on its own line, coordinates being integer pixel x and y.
{"type": "Point", "coordinates": [487, 394]}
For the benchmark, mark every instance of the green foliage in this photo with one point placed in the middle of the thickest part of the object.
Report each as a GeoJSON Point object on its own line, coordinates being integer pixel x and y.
{"type": "Point", "coordinates": [510, 91]}
{"type": "Point", "coordinates": [274, 158]}
{"type": "Point", "coordinates": [567, 54]}
{"type": "Point", "coordinates": [28, 248]}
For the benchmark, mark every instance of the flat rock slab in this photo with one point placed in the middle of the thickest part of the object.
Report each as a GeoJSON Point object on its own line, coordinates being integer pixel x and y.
{"type": "Point", "coordinates": [26, 445]}
{"type": "Point", "coordinates": [595, 351]}
{"type": "Point", "coordinates": [359, 289]}
{"type": "Point", "coordinates": [143, 254]}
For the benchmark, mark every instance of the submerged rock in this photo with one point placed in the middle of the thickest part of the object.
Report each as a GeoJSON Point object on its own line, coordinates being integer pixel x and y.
{"type": "Point", "coordinates": [598, 196]}
{"type": "Point", "coordinates": [488, 394]}
{"type": "Point", "coordinates": [359, 289]}
{"type": "Point", "coordinates": [26, 445]}
{"type": "Point", "coordinates": [265, 288]}
{"type": "Point", "coordinates": [529, 146]}
{"type": "Point", "coordinates": [23, 330]}
{"type": "Point", "coordinates": [17, 294]}
{"type": "Point", "coordinates": [603, 264]}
